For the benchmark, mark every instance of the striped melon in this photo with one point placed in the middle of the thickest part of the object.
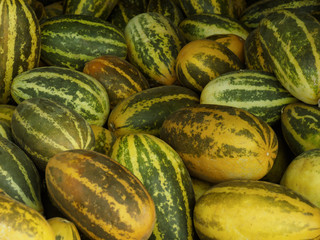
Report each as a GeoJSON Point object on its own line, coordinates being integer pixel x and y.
{"type": "Point", "coordinates": [42, 128]}
{"type": "Point", "coordinates": [248, 209]}
{"type": "Point", "coordinates": [100, 196]}
{"type": "Point", "coordinates": [258, 92]}
{"type": "Point", "coordinates": [254, 55]}
{"type": "Point", "coordinates": [19, 177]}
{"type": "Point", "coordinates": [221, 7]}
{"type": "Point", "coordinates": [201, 61]}
{"type": "Point", "coordinates": [221, 143]}
{"type": "Point", "coordinates": [64, 229]}
{"type": "Point", "coordinates": [72, 40]}
{"type": "Point", "coordinates": [300, 124]}
{"type": "Point", "coordinates": [291, 42]}
{"type": "Point", "coordinates": [6, 111]}
{"type": "Point", "coordinates": [252, 15]}
{"type": "Point", "coordinates": [200, 187]}
{"type": "Point", "coordinates": [123, 12]}
{"type": "Point", "coordinates": [168, 9]}
{"type": "Point", "coordinates": [18, 221]}
{"type": "Point", "coordinates": [96, 8]}
{"type": "Point", "coordinates": [5, 130]}
{"type": "Point", "coordinates": [231, 41]}
{"type": "Point", "coordinates": [19, 42]}
{"type": "Point", "coordinates": [164, 175]}
{"type": "Point", "coordinates": [78, 91]}
{"type": "Point", "coordinates": [104, 139]}
{"type": "Point", "coordinates": [119, 77]}
{"type": "Point", "coordinates": [144, 112]}
{"type": "Point", "coordinates": [203, 25]}
{"type": "Point", "coordinates": [153, 46]}
{"type": "Point", "coordinates": [54, 9]}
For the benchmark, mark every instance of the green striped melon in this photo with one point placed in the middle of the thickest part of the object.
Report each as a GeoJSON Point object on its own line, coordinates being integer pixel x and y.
{"type": "Point", "coordinates": [6, 111]}
{"type": "Point", "coordinates": [78, 91]}
{"type": "Point", "coordinates": [42, 128]}
{"type": "Point", "coordinates": [153, 46]}
{"type": "Point", "coordinates": [5, 130]}
{"type": "Point", "coordinates": [96, 8]}
{"type": "Point", "coordinates": [260, 93]}
{"type": "Point", "coordinates": [104, 139]}
{"type": "Point", "coordinates": [101, 197]}
{"type": "Point", "coordinates": [254, 55]}
{"type": "Point", "coordinates": [18, 221]}
{"type": "Point", "coordinates": [123, 12]}
{"type": "Point", "coordinates": [72, 40]}
{"type": "Point", "coordinates": [20, 42]}
{"type": "Point", "coordinates": [253, 14]}
{"type": "Point", "coordinates": [201, 61]}
{"type": "Point", "coordinates": [19, 177]}
{"type": "Point", "coordinates": [199, 26]}
{"type": "Point", "coordinates": [221, 7]}
{"type": "Point", "coordinates": [291, 41]}
{"type": "Point", "coordinates": [144, 112]}
{"type": "Point", "coordinates": [300, 123]}
{"type": "Point", "coordinates": [164, 175]}
{"type": "Point", "coordinates": [249, 209]}
{"type": "Point", "coordinates": [221, 143]}
{"type": "Point", "coordinates": [118, 76]}
{"type": "Point", "coordinates": [168, 9]}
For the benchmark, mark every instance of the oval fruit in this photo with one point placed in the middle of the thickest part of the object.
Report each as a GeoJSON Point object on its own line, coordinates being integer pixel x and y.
{"type": "Point", "coordinates": [300, 124]}
{"type": "Point", "coordinates": [248, 209]}
{"type": "Point", "coordinates": [303, 175]}
{"type": "Point", "coordinates": [42, 128]}
{"type": "Point", "coordinates": [144, 112]}
{"type": "Point", "coordinates": [78, 91]}
{"type": "Point", "coordinates": [119, 77]}
{"type": "Point", "coordinates": [164, 175]}
{"type": "Point", "coordinates": [64, 229]}
{"type": "Point", "coordinates": [18, 221]}
{"type": "Point", "coordinates": [220, 143]}
{"type": "Point", "coordinates": [201, 61]}
{"type": "Point", "coordinates": [100, 196]}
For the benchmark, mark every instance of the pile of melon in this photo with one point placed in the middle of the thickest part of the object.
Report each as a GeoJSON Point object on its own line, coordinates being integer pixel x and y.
{"type": "Point", "coordinates": [159, 119]}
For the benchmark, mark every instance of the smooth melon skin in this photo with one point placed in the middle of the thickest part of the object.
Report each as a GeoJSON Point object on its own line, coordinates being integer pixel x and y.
{"type": "Point", "coordinates": [251, 210]}
{"type": "Point", "coordinates": [18, 221]}
{"type": "Point", "coordinates": [303, 175]}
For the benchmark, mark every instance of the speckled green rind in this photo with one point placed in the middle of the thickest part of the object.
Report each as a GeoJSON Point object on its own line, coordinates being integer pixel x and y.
{"type": "Point", "coordinates": [96, 8]}
{"type": "Point", "coordinates": [19, 177]}
{"type": "Point", "coordinates": [6, 111]}
{"type": "Point", "coordinates": [291, 41]}
{"type": "Point", "coordinates": [260, 9]}
{"type": "Point", "coordinates": [260, 93]}
{"type": "Point", "coordinates": [19, 42]}
{"type": "Point", "coordinates": [300, 124]}
{"type": "Point", "coordinates": [164, 175]}
{"type": "Point", "coordinates": [42, 128]}
{"type": "Point", "coordinates": [203, 25]}
{"type": "Point", "coordinates": [254, 55]}
{"type": "Point", "coordinates": [168, 9]}
{"type": "Point", "coordinates": [153, 45]}
{"type": "Point", "coordinates": [72, 40]}
{"type": "Point", "coordinates": [221, 7]}
{"type": "Point", "coordinates": [78, 91]}
{"type": "Point", "coordinates": [221, 143]}
{"type": "Point", "coordinates": [122, 13]}
{"type": "Point", "coordinates": [144, 112]}
{"type": "Point", "coordinates": [5, 130]}
{"type": "Point", "coordinates": [259, 210]}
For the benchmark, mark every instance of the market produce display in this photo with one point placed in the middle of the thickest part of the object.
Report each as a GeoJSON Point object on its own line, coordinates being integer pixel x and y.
{"type": "Point", "coordinates": [159, 119]}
